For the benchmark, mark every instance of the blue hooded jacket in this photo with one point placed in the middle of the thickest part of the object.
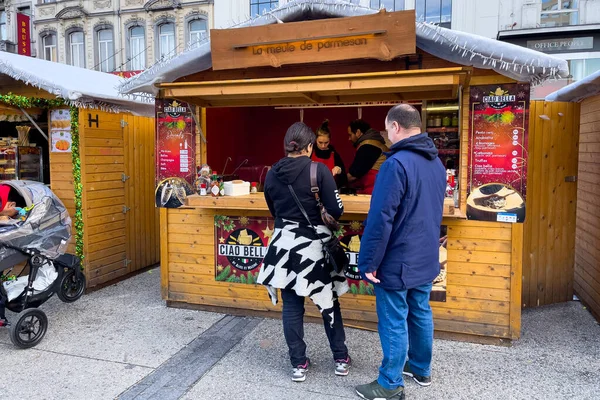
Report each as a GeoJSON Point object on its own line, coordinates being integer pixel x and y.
{"type": "Point", "coordinates": [402, 231]}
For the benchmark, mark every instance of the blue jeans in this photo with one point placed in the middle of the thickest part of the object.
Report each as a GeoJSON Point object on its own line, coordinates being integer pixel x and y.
{"type": "Point", "coordinates": [405, 328]}
{"type": "Point", "coordinates": [293, 329]}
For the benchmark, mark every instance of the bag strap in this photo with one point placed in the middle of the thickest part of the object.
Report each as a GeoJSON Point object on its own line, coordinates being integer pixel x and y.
{"type": "Point", "coordinates": [314, 186]}
{"type": "Point", "coordinates": [303, 211]}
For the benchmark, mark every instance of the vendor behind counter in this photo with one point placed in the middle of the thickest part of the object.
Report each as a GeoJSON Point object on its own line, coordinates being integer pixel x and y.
{"type": "Point", "coordinates": [370, 148]}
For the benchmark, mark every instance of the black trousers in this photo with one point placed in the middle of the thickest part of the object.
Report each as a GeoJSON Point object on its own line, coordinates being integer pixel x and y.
{"type": "Point", "coordinates": [293, 329]}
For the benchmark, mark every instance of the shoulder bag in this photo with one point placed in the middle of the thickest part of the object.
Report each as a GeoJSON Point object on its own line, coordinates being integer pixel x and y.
{"type": "Point", "coordinates": [335, 256]}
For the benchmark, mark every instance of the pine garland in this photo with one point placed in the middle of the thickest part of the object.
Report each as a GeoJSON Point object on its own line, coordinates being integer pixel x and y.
{"type": "Point", "coordinates": [77, 185]}
{"type": "Point", "coordinates": [16, 100]}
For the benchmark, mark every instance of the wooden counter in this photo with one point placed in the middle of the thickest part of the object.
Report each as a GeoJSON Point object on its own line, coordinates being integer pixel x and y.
{"type": "Point", "coordinates": [353, 204]}
{"type": "Point", "coordinates": [483, 271]}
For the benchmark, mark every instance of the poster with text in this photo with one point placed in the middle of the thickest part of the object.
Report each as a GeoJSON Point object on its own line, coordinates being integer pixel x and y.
{"type": "Point", "coordinates": [175, 141]}
{"type": "Point", "coordinates": [498, 135]}
{"type": "Point", "coordinates": [240, 246]}
{"type": "Point", "coordinates": [60, 131]}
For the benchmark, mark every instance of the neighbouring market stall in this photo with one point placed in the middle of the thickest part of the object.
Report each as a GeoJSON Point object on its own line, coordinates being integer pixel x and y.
{"type": "Point", "coordinates": [305, 61]}
{"type": "Point", "coordinates": [586, 95]}
{"type": "Point", "coordinates": [70, 128]}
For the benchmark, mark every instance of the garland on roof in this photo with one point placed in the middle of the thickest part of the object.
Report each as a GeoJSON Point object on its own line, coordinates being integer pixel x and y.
{"type": "Point", "coordinates": [16, 100]}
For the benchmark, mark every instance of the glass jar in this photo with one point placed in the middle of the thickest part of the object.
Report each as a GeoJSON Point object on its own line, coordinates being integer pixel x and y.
{"type": "Point", "coordinates": [454, 119]}
{"type": "Point", "coordinates": [446, 121]}
{"type": "Point", "coordinates": [437, 122]}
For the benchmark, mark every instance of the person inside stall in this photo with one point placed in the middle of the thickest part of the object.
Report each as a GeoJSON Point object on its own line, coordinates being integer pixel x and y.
{"type": "Point", "coordinates": [7, 207]}
{"type": "Point", "coordinates": [326, 154]}
{"type": "Point", "coordinates": [370, 148]}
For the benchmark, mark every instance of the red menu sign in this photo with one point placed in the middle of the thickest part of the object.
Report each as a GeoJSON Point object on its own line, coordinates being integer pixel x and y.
{"type": "Point", "coordinates": [23, 36]}
{"type": "Point", "coordinates": [498, 132]}
{"type": "Point", "coordinates": [175, 141]}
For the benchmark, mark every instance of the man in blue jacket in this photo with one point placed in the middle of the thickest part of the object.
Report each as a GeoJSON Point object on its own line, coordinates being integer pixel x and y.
{"type": "Point", "coordinates": [404, 219]}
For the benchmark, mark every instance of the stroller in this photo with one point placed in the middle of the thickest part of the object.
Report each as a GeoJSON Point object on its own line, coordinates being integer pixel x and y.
{"type": "Point", "coordinates": [36, 238]}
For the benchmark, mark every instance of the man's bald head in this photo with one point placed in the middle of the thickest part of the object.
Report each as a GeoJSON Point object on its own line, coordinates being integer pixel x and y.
{"type": "Point", "coordinates": [405, 115]}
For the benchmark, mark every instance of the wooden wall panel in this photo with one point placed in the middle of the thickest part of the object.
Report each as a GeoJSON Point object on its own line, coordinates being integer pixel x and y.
{"type": "Point", "coordinates": [549, 229]}
{"type": "Point", "coordinates": [61, 183]}
{"type": "Point", "coordinates": [480, 275]}
{"type": "Point", "coordinates": [587, 234]}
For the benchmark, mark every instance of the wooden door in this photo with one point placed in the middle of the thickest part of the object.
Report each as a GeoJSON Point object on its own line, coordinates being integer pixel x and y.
{"type": "Point", "coordinates": [142, 218]}
{"type": "Point", "coordinates": [549, 236]}
{"type": "Point", "coordinates": [103, 199]}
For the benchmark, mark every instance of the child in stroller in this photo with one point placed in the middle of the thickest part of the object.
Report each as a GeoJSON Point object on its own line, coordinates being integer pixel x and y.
{"type": "Point", "coordinates": [35, 229]}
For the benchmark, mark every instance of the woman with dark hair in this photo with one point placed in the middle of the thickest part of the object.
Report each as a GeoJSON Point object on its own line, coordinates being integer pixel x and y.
{"type": "Point", "coordinates": [326, 154]}
{"type": "Point", "coordinates": [294, 262]}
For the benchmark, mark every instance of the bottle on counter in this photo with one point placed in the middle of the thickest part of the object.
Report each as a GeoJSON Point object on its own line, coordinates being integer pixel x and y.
{"type": "Point", "coordinates": [221, 187]}
{"type": "Point", "coordinates": [203, 189]}
{"type": "Point", "coordinates": [214, 187]}
{"type": "Point", "coordinates": [253, 187]}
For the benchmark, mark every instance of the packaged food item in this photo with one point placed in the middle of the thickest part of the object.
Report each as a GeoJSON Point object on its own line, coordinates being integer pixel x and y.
{"type": "Point", "coordinates": [446, 121]}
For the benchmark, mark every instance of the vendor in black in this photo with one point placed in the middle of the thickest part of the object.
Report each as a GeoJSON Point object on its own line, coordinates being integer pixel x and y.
{"type": "Point", "coordinates": [370, 148]}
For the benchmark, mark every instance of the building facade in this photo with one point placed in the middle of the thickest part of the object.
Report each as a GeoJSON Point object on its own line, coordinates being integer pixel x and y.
{"type": "Point", "coordinates": [109, 35]}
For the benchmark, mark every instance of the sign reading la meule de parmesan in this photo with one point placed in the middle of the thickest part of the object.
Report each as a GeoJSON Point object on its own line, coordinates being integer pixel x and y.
{"type": "Point", "coordinates": [382, 36]}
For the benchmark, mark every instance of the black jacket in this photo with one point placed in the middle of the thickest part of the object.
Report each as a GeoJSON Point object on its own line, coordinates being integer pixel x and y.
{"type": "Point", "coordinates": [367, 155]}
{"type": "Point", "coordinates": [295, 171]}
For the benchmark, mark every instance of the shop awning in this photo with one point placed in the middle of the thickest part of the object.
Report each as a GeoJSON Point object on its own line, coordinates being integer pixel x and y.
{"type": "Point", "coordinates": [440, 83]}
{"type": "Point", "coordinates": [77, 86]}
{"type": "Point", "coordinates": [515, 62]}
{"type": "Point", "coordinates": [578, 91]}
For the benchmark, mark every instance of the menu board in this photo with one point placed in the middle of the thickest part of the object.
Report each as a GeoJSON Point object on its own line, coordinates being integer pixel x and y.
{"type": "Point", "coordinates": [60, 131]}
{"type": "Point", "coordinates": [175, 141]}
{"type": "Point", "coordinates": [497, 182]}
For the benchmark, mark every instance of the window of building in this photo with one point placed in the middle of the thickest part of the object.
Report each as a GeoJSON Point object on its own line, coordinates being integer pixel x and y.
{"type": "Point", "coordinates": [106, 50]}
{"type": "Point", "coordinates": [559, 13]}
{"type": "Point", "coordinates": [166, 40]}
{"type": "Point", "coordinates": [76, 49]}
{"type": "Point", "coordinates": [389, 5]}
{"type": "Point", "coordinates": [581, 68]}
{"type": "Point", "coordinates": [48, 1]}
{"type": "Point", "coordinates": [3, 33]}
{"type": "Point", "coordinates": [258, 7]}
{"type": "Point", "coordinates": [197, 32]}
{"type": "Point", "coordinates": [437, 12]}
{"type": "Point", "coordinates": [137, 49]}
{"type": "Point", "coordinates": [49, 46]}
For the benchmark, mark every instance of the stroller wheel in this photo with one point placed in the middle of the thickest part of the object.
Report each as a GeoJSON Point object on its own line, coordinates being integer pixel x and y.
{"type": "Point", "coordinates": [29, 328]}
{"type": "Point", "coordinates": [71, 287]}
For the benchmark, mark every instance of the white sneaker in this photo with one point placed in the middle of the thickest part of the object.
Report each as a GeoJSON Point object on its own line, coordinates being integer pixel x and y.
{"type": "Point", "coordinates": [299, 373]}
{"type": "Point", "coordinates": [342, 367]}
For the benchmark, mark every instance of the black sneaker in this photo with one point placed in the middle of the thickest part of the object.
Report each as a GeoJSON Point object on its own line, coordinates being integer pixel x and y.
{"type": "Point", "coordinates": [374, 391]}
{"type": "Point", "coordinates": [421, 380]}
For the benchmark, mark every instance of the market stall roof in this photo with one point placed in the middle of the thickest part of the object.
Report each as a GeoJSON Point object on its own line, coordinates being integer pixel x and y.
{"type": "Point", "coordinates": [77, 86]}
{"type": "Point", "coordinates": [510, 60]}
{"type": "Point", "coordinates": [578, 91]}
